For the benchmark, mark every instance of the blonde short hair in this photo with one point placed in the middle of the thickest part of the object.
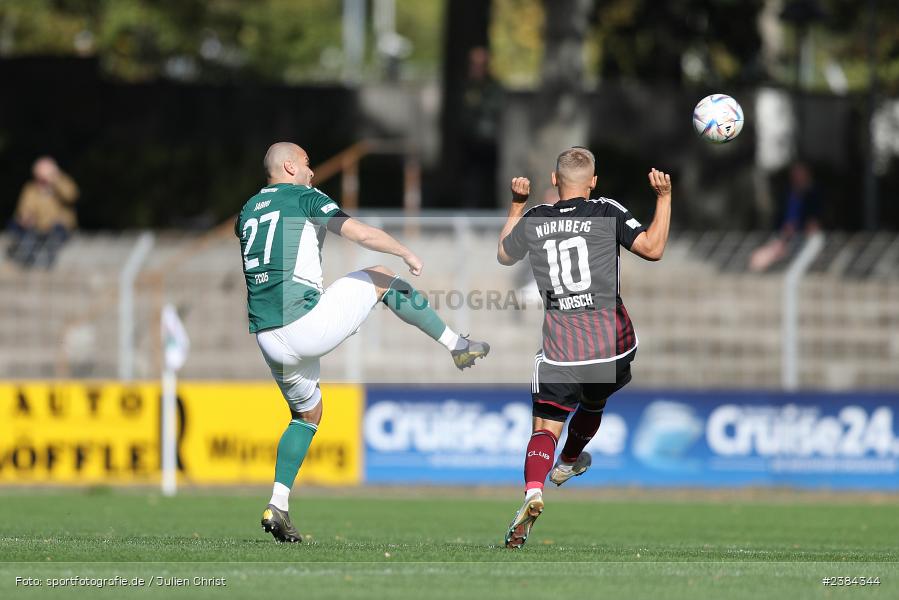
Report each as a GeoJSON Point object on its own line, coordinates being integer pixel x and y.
{"type": "Point", "coordinates": [575, 164]}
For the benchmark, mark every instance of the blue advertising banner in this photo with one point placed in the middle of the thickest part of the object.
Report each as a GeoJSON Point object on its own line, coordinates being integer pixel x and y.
{"type": "Point", "coordinates": [708, 439]}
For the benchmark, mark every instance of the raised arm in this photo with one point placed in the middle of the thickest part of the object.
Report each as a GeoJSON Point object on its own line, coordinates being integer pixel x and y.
{"type": "Point", "coordinates": [521, 189]}
{"type": "Point", "coordinates": [651, 243]}
{"type": "Point", "coordinates": [65, 187]}
{"type": "Point", "coordinates": [378, 240]}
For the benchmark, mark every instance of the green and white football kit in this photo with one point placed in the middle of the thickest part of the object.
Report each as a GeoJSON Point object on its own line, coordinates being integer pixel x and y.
{"type": "Point", "coordinates": [296, 320]}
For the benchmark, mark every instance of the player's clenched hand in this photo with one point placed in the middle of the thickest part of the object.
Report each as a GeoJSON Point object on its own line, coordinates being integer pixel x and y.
{"type": "Point", "coordinates": [414, 263]}
{"type": "Point", "coordinates": [521, 189]}
{"type": "Point", "coordinates": [660, 182]}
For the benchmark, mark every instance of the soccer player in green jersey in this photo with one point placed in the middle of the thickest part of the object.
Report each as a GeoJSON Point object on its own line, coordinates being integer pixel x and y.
{"type": "Point", "coordinates": [297, 321]}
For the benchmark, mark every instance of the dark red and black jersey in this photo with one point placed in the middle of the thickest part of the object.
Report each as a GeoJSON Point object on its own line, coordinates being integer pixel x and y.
{"type": "Point", "coordinates": [574, 250]}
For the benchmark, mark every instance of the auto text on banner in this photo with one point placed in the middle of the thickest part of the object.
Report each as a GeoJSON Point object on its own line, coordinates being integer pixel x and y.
{"type": "Point", "coordinates": [92, 433]}
{"type": "Point", "coordinates": [80, 433]}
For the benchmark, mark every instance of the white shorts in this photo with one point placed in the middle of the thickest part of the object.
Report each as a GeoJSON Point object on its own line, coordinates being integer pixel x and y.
{"type": "Point", "coordinates": [292, 352]}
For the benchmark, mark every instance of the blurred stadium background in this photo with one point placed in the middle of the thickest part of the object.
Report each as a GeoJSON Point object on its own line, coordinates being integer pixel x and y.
{"type": "Point", "coordinates": [416, 115]}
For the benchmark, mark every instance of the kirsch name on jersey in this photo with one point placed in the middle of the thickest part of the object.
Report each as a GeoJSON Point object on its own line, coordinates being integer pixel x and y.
{"type": "Point", "coordinates": [567, 301]}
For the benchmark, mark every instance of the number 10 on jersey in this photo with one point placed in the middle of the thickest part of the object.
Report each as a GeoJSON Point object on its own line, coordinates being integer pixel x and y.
{"type": "Point", "coordinates": [558, 255]}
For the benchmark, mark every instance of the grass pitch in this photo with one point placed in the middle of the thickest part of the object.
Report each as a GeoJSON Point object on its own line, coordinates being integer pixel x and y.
{"type": "Point", "coordinates": [443, 546]}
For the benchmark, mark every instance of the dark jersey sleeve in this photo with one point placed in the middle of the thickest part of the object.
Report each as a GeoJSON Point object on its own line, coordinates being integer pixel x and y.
{"type": "Point", "coordinates": [628, 227]}
{"type": "Point", "coordinates": [516, 244]}
{"type": "Point", "coordinates": [336, 221]}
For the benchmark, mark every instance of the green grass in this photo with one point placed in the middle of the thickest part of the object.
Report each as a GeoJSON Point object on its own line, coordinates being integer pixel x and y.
{"type": "Point", "coordinates": [360, 547]}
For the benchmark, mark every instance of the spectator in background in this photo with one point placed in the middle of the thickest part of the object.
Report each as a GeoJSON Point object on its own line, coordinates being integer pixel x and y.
{"type": "Point", "coordinates": [45, 215]}
{"type": "Point", "coordinates": [801, 216]}
{"type": "Point", "coordinates": [482, 104]}
{"type": "Point", "coordinates": [802, 212]}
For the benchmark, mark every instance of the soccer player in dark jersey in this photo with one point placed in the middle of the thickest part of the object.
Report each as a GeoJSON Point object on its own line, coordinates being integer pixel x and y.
{"type": "Point", "coordinates": [297, 320]}
{"type": "Point", "coordinates": [588, 339]}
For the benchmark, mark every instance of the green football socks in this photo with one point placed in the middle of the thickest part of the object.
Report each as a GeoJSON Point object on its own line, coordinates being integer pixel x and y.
{"type": "Point", "coordinates": [292, 450]}
{"type": "Point", "coordinates": [412, 307]}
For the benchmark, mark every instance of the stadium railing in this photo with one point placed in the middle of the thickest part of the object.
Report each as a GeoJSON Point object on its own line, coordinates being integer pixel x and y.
{"type": "Point", "coordinates": [703, 320]}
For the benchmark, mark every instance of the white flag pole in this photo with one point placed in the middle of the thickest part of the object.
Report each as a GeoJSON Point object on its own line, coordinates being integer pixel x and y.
{"type": "Point", "coordinates": [175, 347]}
{"type": "Point", "coordinates": [169, 444]}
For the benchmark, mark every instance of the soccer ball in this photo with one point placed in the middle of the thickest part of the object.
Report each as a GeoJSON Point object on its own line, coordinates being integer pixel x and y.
{"type": "Point", "coordinates": [718, 118]}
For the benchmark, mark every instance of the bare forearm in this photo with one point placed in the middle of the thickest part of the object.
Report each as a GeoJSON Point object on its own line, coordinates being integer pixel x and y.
{"type": "Point", "coordinates": [521, 188]}
{"type": "Point", "coordinates": [515, 212]}
{"type": "Point", "coordinates": [66, 188]}
{"type": "Point", "coordinates": [657, 232]}
{"type": "Point", "coordinates": [377, 240]}
{"type": "Point", "coordinates": [651, 243]}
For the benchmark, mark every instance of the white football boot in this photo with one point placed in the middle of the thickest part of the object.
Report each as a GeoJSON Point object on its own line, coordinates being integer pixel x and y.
{"type": "Point", "coordinates": [524, 520]}
{"type": "Point", "coordinates": [562, 472]}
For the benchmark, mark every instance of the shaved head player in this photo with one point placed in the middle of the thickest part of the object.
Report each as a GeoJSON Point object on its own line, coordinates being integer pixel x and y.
{"type": "Point", "coordinates": [297, 321]}
{"type": "Point", "coordinates": [588, 339]}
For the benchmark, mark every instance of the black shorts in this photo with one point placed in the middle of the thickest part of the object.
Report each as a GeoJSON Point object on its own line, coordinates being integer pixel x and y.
{"type": "Point", "coordinates": [558, 390]}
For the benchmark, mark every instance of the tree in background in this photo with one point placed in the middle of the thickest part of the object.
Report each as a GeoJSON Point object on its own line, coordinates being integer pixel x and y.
{"type": "Point", "coordinates": [701, 40]}
{"type": "Point", "coordinates": [286, 41]}
{"type": "Point", "coordinates": [559, 116]}
{"type": "Point", "coordinates": [699, 44]}
{"type": "Point", "coordinates": [290, 41]}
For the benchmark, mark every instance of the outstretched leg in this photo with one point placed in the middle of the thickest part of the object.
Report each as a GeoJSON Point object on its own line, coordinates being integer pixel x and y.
{"type": "Point", "coordinates": [412, 307]}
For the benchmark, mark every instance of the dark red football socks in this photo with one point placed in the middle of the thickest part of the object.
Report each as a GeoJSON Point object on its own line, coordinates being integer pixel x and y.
{"type": "Point", "coordinates": [539, 458]}
{"type": "Point", "coordinates": [581, 429]}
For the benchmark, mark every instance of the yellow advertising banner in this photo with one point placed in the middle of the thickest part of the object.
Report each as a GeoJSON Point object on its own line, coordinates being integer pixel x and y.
{"type": "Point", "coordinates": [230, 433]}
{"type": "Point", "coordinates": [79, 433]}
{"type": "Point", "coordinates": [108, 432]}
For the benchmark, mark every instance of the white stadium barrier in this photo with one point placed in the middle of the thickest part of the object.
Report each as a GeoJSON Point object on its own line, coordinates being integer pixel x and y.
{"type": "Point", "coordinates": [703, 320]}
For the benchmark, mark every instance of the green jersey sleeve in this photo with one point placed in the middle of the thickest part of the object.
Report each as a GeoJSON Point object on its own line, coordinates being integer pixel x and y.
{"type": "Point", "coordinates": [322, 208]}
